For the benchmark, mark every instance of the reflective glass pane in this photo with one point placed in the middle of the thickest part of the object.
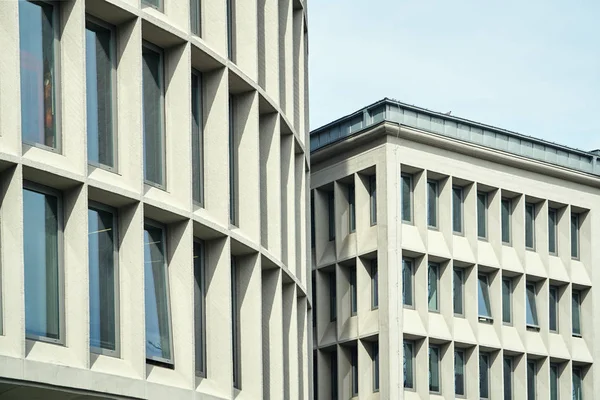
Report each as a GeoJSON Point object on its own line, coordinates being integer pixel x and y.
{"type": "Point", "coordinates": [195, 16]}
{"type": "Point", "coordinates": [484, 297]}
{"type": "Point", "coordinates": [459, 373]}
{"type": "Point", "coordinates": [375, 366]}
{"type": "Point", "coordinates": [374, 284]}
{"type": "Point", "coordinates": [197, 140]}
{"type": "Point", "coordinates": [199, 308]}
{"type": "Point", "coordinates": [482, 215]}
{"type": "Point", "coordinates": [408, 365]}
{"type": "Point", "coordinates": [553, 322]}
{"type": "Point", "coordinates": [530, 306]}
{"type": "Point", "coordinates": [575, 236]}
{"type": "Point", "coordinates": [484, 376]}
{"type": "Point", "coordinates": [531, 378]}
{"type": "Point", "coordinates": [507, 378]}
{"type": "Point", "coordinates": [506, 300]}
{"type": "Point", "coordinates": [529, 225]}
{"type": "Point", "coordinates": [576, 308]}
{"type": "Point", "coordinates": [432, 198]}
{"type": "Point", "coordinates": [552, 231]}
{"type": "Point", "coordinates": [506, 211]}
{"type": "Point", "coordinates": [434, 369]}
{"type": "Point", "coordinates": [577, 384]}
{"type": "Point", "coordinates": [457, 199]}
{"type": "Point", "coordinates": [406, 198]}
{"type": "Point", "coordinates": [153, 109]}
{"type": "Point", "coordinates": [553, 382]}
{"type": "Point", "coordinates": [433, 278]}
{"type": "Point", "coordinates": [407, 284]}
{"type": "Point", "coordinates": [373, 198]}
{"type": "Point", "coordinates": [458, 291]}
{"type": "Point", "coordinates": [351, 208]}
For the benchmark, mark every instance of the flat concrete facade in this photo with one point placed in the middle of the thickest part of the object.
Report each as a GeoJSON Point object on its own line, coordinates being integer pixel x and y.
{"type": "Point", "coordinates": [254, 96]}
{"type": "Point", "coordinates": [388, 255]}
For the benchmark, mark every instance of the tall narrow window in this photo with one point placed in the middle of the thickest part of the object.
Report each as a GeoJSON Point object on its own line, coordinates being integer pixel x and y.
{"type": "Point", "coordinates": [233, 164]}
{"type": "Point", "coordinates": [230, 29]}
{"type": "Point", "coordinates": [409, 377]}
{"type": "Point", "coordinates": [530, 226]}
{"type": "Point", "coordinates": [507, 300]}
{"type": "Point", "coordinates": [331, 209]}
{"type": "Point", "coordinates": [158, 4]}
{"type": "Point", "coordinates": [459, 372]}
{"type": "Point", "coordinates": [195, 17]}
{"type": "Point", "coordinates": [575, 236]}
{"type": "Point", "coordinates": [353, 293]}
{"type": "Point", "coordinates": [354, 361]}
{"type": "Point", "coordinates": [235, 326]}
{"type": "Point", "coordinates": [100, 83]}
{"type": "Point", "coordinates": [407, 282]}
{"type": "Point", "coordinates": [312, 220]}
{"type": "Point", "coordinates": [351, 208]}
{"type": "Point", "coordinates": [576, 313]}
{"type": "Point", "coordinates": [530, 306]}
{"type": "Point", "coordinates": [458, 283]}
{"type": "Point", "coordinates": [531, 379]}
{"type": "Point", "coordinates": [553, 382]}
{"type": "Point", "coordinates": [508, 378]}
{"type": "Point", "coordinates": [433, 279]}
{"type": "Point", "coordinates": [197, 140]}
{"type": "Point", "coordinates": [482, 206]}
{"type": "Point", "coordinates": [102, 262]}
{"type": "Point", "coordinates": [432, 204]}
{"type": "Point", "coordinates": [334, 375]}
{"type": "Point", "coordinates": [154, 115]}
{"type": "Point", "coordinates": [332, 297]}
{"type": "Point", "coordinates": [577, 384]}
{"type": "Point", "coordinates": [314, 298]}
{"type": "Point", "coordinates": [199, 309]}
{"type": "Point", "coordinates": [156, 288]}
{"type": "Point", "coordinates": [406, 198]}
{"type": "Point", "coordinates": [553, 306]}
{"type": "Point", "coordinates": [483, 297]}
{"type": "Point", "coordinates": [552, 225]}
{"type": "Point", "coordinates": [434, 369]}
{"type": "Point", "coordinates": [374, 285]}
{"type": "Point", "coordinates": [38, 41]}
{"type": "Point", "coordinates": [457, 209]}
{"type": "Point", "coordinates": [375, 351]}
{"type": "Point", "coordinates": [42, 245]}
{"type": "Point", "coordinates": [484, 376]}
{"type": "Point", "coordinates": [373, 198]}
{"type": "Point", "coordinates": [506, 211]}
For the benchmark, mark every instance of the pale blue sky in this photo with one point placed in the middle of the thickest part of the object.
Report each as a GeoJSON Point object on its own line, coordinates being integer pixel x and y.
{"type": "Point", "coordinates": [528, 66]}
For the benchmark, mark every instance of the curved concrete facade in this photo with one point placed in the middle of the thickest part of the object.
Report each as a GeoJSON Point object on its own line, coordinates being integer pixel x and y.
{"type": "Point", "coordinates": [440, 265]}
{"type": "Point", "coordinates": [229, 196]}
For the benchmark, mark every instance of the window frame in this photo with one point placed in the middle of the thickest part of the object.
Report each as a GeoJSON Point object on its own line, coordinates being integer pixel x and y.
{"type": "Point", "coordinates": [512, 369]}
{"type": "Point", "coordinates": [485, 215]}
{"type": "Point", "coordinates": [198, 5]}
{"type": "Point", "coordinates": [160, 360]}
{"type": "Point", "coordinates": [90, 19]}
{"type": "Point", "coordinates": [510, 300]}
{"type": "Point", "coordinates": [553, 288]}
{"type": "Point", "coordinates": [460, 232]}
{"type": "Point", "coordinates": [374, 284]}
{"type": "Point", "coordinates": [553, 231]}
{"type": "Point", "coordinates": [531, 380]}
{"type": "Point", "coordinates": [438, 351]}
{"type": "Point", "coordinates": [484, 318]}
{"type": "Point", "coordinates": [411, 218]}
{"type": "Point", "coordinates": [49, 191]}
{"type": "Point", "coordinates": [577, 372]}
{"type": "Point", "coordinates": [436, 267]}
{"type": "Point", "coordinates": [200, 94]}
{"type": "Point", "coordinates": [509, 218]}
{"type": "Point", "coordinates": [163, 115]}
{"type": "Point", "coordinates": [373, 199]}
{"type": "Point", "coordinates": [533, 233]}
{"type": "Point", "coordinates": [535, 326]}
{"type": "Point", "coordinates": [464, 378]}
{"type": "Point", "coordinates": [487, 357]}
{"type": "Point", "coordinates": [557, 368]}
{"type": "Point", "coordinates": [201, 372]}
{"type": "Point", "coordinates": [115, 213]}
{"type": "Point", "coordinates": [411, 263]}
{"type": "Point", "coordinates": [575, 293]}
{"type": "Point", "coordinates": [436, 186]}
{"type": "Point", "coordinates": [461, 272]}
{"type": "Point", "coordinates": [578, 249]}
{"type": "Point", "coordinates": [411, 344]}
{"type": "Point", "coordinates": [57, 81]}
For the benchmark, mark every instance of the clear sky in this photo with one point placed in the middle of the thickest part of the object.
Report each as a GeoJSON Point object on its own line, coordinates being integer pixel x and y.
{"type": "Point", "coordinates": [529, 66]}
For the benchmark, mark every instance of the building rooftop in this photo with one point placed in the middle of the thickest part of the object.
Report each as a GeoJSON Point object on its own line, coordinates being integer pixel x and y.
{"type": "Point", "coordinates": [457, 128]}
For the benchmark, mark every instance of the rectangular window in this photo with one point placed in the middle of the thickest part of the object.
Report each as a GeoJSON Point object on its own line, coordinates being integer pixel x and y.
{"type": "Point", "coordinates": [531, 379]}
{"type": "Point", "coordinates": [577, 384]}
{"type": "Point", "coordinates": [530, 226]}
{"type": "Point", "coordinates": [575, 236]}
{"type": "Point", "coordinates": [195, 17]}
{"type": "Point", "coordinates": [373, 198]}
{"type": "Point", "coordinates": [459, 372]}
{"type": "Point", "coordinates": [334, 375]}
{"type": "Point", "coordinates": [235, 326]}
{"type": "Point", "coordinates": [332, 297]}
{"type": "Point", "coordinates": [199, 308]}
{"type": "Point", "coordinates": [354, 361]}
{"type": "Point", "coordinates": [156, 288]}
{"type": "Point", "coordinates": [100, 89]}
{"type": "Point", "coordinates": [374, 285]}
{"type": "Point", "coordinates": [230, 4]}
{"type": "Point", "coordinates": [406, 198]}
{"type": "Point", "coordinates": [154, 4]}
{"type": "Point", "coordinates": [457, 209]}
{"type": "Point", "coordinates": [507, 300]}
{"type": "Point", "coordinates": [530, 306]}
{"type": "Point", "coordinates": [351, 208]}
{"type": "Point", "coordinates": [434, 369]}
{"type": "Point", "coordinates": [458, 283]}
{"type": "Point", "coordinates": [197, 140]}
{"type": "Point", "coordinates": [312, 220]}
{"type": "Point", "coordinates": [553, 382]}
{"type": "Point", "coordinates": [552, 225]}
{"type": "Point", "coordinates": [331, 209]}
{"type": "Point", "coordinates": [553, 321]}
{"type": "Point", "coordinates": [42, 252]}
{"type": "Point", "coordinates": [407, 282]}
{"type": "Point", "coordinates": [482, 205]}
{"type": "Point", "coordinates": [576, 313]}
{"type": "Point", "coordinates": [353, 293]}
{"type": "Point", "coordinates": [508, 378]}
{"type": "Point", "coordinates": [433, 280]}
{"type": "Point", "coordinates": [432, 204]}
{"type": "Point", "coordinates": [103, 275]}
{"type": "Point", "coordinates": [483, 297]}
{"type": "Point", "coordinates": [153, 95]}
{"type": "Point", "coordinates": [314, 298]}
{"type": "Point", "coordinates": [39, 60]}
{"type": "Point", "coordinates": [375, 352]}
{"type": "Point", "coordinates": [506, 211]}
{"type": "Point", "coordinates": [233, 164]}
{"type": "Point", "coordinates": [409, 377]}
{"type": "Point", "coordinates": [484, 376]}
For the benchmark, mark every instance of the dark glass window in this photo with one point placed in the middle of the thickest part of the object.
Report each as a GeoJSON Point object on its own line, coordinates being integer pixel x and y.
{"type": "Point", "coordinates": [530, 306]}
{"type": "Point", "coordinates": [409, 378]}
{"type": "Point", "coordinates": [531, 380]}
{"type": "Point", "coordinates": [433, 279]}
{"type": "Point", "coordinates": [508, 378]}
{"type": "Point", "coordinates": [199, 308]}
{"type": "Point", "coordinates": [197, 139]}
{"type": "Point", "coordinates": [434, 369]}
{"type": "Point", "coordinates": [406, 197]}
{"type": "Point", "coordinates": [374, 285]}
{"type": "Point", "coordinates": [530, 225]}
{"type": "Point", "coordinates": [482, 205]}
{"type": "Point", "coordinates": [553, 321]}
{"type": "Point", "coordinates": [552, 225]}
{"type": "Point", "coordinates": [459, 372]}
{"type": "Point", "coordinates": [507, 300]}
{"type": "Point", "coordinates": [373, 198]}
{"type": "Point", "coordinates": [484, 376]}
{"type": "Point", "coordinates": [432, 204]}
{"type": "Point", "coordinates": [351, 208]}
{"type": "Point", "coordinates": [574, 235]}
{"type": "Point", "coordinates": [195, 17]}
{"type": "Point", "coordinates": [407, 282]}
{"type": "Point", "coordinates": [483, 296]}
{"type": "Point", "coordinates": [353, 292]}
{"type": "Point", "coordinates": [458, 284]}
{"type": "Point", "coordinates": [576, 312]}
{"type": "Point", "coordinates": [457, 209]}
{"type": "Point", "coordinates": [154, 116]}
{"type": "Point", "coordinates": [506, 211]}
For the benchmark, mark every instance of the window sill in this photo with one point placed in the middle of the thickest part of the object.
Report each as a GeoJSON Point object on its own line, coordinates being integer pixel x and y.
{"type": "Point", "coordinates": [160, 363]}
{"type": "Point", "coordinates": [533, 328]}
{"type": "Point", "coordinates": [485, 320]}
{"type": "Point", "coordinates": [577, 335]}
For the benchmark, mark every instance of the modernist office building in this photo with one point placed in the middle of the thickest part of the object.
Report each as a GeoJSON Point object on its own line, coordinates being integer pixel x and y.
{"type": "Point", "coordinates": [452, 259]}
{"type": "Point", "coordinates": [153, 189]}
